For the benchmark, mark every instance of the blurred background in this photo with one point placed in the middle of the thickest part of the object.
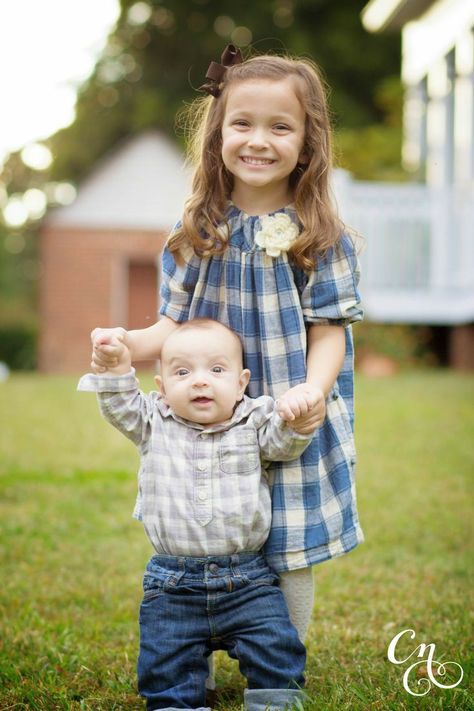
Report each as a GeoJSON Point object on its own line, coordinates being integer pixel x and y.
{"type": "Point", "coordinates": [93, 176]}
{"type": "Point", "coordinates": [92, 180]}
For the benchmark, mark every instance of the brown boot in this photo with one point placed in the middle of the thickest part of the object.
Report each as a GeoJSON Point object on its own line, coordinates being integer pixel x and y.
{"type": "Point", "coordinates": [211, 697]}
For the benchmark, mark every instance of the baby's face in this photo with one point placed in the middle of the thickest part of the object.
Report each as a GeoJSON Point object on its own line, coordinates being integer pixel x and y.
{"type": "Point", "coordinates": [202, 377]}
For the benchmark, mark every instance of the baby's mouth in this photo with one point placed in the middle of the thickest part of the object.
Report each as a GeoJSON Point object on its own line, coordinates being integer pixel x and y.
{"type": "Point", "coordinates": [202, 400]}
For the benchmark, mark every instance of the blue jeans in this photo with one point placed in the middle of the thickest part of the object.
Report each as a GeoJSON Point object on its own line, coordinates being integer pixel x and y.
{"type": "Point", "coordinates": [193, 606]}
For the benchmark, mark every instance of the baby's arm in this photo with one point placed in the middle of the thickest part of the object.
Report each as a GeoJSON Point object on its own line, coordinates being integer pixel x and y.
{"type": "Point", "coordinates": [143, 344]}
{"type": "Point", "coordinates": [277, 440]}
{"type": "Point", "coordinates": [122, 403]}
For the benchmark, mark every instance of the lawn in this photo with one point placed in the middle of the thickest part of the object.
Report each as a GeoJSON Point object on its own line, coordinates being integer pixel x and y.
{"type": "Point", "coordinates": [72, 558]}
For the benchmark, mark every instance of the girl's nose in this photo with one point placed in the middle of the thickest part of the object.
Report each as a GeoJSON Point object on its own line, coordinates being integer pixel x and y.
{"type": "Point", "coordinates": [258, 139]}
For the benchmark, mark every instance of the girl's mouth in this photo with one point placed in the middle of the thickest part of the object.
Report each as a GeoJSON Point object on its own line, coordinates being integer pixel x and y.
{"type": "Point", "coordinates": [256, 161]}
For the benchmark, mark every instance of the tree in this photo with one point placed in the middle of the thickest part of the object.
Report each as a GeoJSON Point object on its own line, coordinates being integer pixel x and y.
{"type": "Point", "coordinates": [159, 53]}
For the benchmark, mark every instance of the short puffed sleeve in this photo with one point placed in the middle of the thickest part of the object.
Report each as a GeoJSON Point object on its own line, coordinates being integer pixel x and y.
{"type": "Point", "coordinates": [178, 281]}
{"type": "Point", "coordinates": [330, 295]}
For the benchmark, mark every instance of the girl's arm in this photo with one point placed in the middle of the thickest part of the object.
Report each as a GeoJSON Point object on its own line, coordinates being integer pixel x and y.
{"type": "Point", "coordinates": [143, 344]}
{"type": "Point", "coordinates": [326, 350]}
{"type": "Point", "coordinates": [146, 343]}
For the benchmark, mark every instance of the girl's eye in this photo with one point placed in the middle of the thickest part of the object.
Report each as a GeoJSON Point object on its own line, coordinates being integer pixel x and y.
{"type": "Point", "coordinates": [240, 123]}
{"type": "Point", "coordinates": [281, 127]}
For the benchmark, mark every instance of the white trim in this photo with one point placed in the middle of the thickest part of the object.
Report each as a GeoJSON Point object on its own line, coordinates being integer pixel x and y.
{"type": "Point", "coordinates": [428, 40]}
{"type": "Point", "coordinates": [377, 14]}
{"type": "Point", "coordinates": [436, 308]}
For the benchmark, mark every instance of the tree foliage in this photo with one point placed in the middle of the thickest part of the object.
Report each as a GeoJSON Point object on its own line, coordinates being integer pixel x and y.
{"type": "Point", "coordinates": [159, 52]}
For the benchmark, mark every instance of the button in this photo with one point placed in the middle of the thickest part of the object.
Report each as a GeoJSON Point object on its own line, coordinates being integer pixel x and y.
{"type": "Point", "coordinates": [202, 495]}
{"type": "Point", "coordinates": [203, 435]}
{"type": "Point", "coordinates": [202, 466]}
{"type": "Point", "coordinates": [213, 568]}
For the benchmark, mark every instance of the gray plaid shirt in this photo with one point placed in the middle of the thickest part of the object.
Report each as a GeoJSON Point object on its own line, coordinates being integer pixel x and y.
{"type": "Point", "coordinates": [203, 490]}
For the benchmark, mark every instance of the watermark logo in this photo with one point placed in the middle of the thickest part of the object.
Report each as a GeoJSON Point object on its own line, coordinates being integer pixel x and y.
{"type": "Point", "coordinates": [431, 670]}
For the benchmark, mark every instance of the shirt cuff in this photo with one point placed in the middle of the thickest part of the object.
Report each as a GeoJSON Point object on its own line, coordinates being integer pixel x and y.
{"type": "Point", "coordinates": [103, 383]}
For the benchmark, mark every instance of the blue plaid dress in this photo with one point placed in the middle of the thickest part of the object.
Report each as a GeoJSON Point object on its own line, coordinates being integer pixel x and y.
{"type": "Point", "coordinates": [270, 303]}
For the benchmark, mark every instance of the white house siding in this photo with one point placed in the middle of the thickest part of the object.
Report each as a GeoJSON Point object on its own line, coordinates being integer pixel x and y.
{"type": "Point", "coordinates": [419, 260]}
{"type": "Point", "coordinates": [438, 71]}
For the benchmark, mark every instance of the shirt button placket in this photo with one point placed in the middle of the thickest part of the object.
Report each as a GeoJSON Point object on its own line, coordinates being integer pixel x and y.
{"type": "Point", "coordinates": [202, 481]}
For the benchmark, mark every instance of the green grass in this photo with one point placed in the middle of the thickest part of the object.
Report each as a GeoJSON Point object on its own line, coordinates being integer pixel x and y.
{"type": "Point", "coordinates": [72, 558]}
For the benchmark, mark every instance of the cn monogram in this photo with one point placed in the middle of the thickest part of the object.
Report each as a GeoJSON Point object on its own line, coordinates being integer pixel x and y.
{"type": "Point", "coordinates": [433, 668]}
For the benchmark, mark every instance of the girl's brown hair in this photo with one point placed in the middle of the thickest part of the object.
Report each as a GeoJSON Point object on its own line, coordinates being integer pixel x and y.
{"type": "Point", "coordinates": [204, 214]}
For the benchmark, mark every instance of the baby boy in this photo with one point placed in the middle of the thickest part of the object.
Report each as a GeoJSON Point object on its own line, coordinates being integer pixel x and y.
{"type": "Point", "coordinates": [204, 499]}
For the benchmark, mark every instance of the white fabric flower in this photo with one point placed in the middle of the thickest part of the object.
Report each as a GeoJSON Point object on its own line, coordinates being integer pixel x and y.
{"type": "Point", "coordinates": [277, 234]}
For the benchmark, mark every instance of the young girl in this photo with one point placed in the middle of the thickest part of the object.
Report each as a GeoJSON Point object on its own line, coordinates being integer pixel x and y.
{"type": "Point", "coordinates": [260, 249]}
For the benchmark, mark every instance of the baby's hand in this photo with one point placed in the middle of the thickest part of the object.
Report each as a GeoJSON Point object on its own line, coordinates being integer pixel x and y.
{"type": "Point", "coordinates": [108, 348]}
{"type": "Point", "coordinates": [304, 406]}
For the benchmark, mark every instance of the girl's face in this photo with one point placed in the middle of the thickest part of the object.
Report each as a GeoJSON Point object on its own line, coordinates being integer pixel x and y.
{"type": "Point", "coordinates": [263, 134]}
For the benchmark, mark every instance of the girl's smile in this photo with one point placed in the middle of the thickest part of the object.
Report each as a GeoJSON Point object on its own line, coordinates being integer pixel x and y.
{"type": "Point", "coordinates": [257, 161]}
{"type": "Point", "coordinates": [262, 139]}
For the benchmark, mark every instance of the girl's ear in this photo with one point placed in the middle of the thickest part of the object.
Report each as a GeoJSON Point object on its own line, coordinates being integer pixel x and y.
{"type": "Point", "coordinates": [243, 382]}
{"type": "Point", "coordinates": [303, 158]}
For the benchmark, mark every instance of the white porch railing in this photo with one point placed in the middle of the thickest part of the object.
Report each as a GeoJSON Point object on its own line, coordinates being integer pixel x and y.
{"type": "Point", "coordinates": [418, 264]}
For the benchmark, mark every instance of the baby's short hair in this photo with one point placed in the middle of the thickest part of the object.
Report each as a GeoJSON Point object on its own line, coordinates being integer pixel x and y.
{"type": "Point", "coordinates": [204, 322]}
{"type": "Point", "coordinates": [209, 323]}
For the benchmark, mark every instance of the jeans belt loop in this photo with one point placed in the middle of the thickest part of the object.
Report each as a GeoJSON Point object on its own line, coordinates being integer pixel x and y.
{"type": "Point", "coordinates": [234, 561]}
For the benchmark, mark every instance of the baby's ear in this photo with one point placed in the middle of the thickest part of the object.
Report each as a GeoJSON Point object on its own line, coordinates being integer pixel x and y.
{"type": "Point", "coordinates": [159, 384]}
{"type": "Point", "coordinates": [243, 382]}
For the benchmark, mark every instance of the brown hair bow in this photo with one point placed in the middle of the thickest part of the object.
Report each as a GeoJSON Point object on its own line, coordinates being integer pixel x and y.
{"type": "Point", "coordinates": [216, 72]}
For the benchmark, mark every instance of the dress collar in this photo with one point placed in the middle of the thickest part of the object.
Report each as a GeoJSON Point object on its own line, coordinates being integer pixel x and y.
{"type": "Point", "coordinates": [233, 211]}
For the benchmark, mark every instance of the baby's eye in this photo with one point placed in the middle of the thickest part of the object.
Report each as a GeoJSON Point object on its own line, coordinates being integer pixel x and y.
{"type": "Point", "coordinates": [217, 369]}
{"type": "Point", "coordinates": [182, 371]}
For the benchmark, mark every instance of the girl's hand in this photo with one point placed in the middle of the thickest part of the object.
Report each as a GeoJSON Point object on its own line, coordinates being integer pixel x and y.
{"type": "Point", "coordinates": [108, 345]}
{"type": "Point", "coordinates": [304, 406]}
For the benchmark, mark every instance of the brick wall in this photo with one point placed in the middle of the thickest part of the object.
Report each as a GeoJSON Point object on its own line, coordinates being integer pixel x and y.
{"type": "Point", "coordinates": [85, 283]}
